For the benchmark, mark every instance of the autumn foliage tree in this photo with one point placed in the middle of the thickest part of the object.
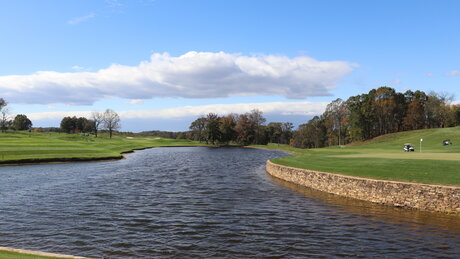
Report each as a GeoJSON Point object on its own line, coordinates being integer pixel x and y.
{"type": "Point", "coordinates": [414, 118]}
{"type": "Point", "coordinates": [244, 129]}
{"type": "Point", "coordinates": [380, 111]}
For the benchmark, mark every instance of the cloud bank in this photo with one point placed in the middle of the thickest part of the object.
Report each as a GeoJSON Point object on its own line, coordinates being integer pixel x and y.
{"type": "Point", "coordinates": [278, 108]}
{"type": "Point", "coordinates": [192, 75]}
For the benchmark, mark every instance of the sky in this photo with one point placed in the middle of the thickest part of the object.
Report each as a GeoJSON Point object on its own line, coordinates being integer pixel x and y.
{"type": "Point", "coordinates": [162, 63]}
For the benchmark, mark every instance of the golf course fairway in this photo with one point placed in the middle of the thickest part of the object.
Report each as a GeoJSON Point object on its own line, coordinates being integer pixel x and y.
{"type": "Point", "coordinates": [384, 158]}
{"type": "Point", "coordinates": [379, 158]}
{"type": "Point", "coordinates": [35, 147]}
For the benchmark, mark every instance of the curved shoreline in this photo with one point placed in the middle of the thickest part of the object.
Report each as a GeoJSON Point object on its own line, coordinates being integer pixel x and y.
{"type": "Point", "coordinates": [440, 198]}
{"type": "Point", "coordinates": [39, 253]}
{"type": "Point", "coordinates": [63, 160]}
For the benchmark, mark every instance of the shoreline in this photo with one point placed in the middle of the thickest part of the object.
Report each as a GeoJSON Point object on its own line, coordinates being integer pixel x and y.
{"type": "Point", "coordinates": [273, 149]}
{"type": "Point", "coordinates": [370, 196]}
{"type": "Point", "coordinates": [39, 253]}
{"type": "Point", "coordinates": [428, 197]}
{"type": "Point", "coordinates": [65, 160]}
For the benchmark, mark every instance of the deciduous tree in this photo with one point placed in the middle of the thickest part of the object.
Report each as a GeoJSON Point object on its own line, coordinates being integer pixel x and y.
{"type": "Point", "coordinates": [227, 129]}
{"type": "Point", "coordinates": [68, 124]}
{"type": "Point", "coordinates": [245, 130]}
{"type": "Point", "coordinates": [257, 119]}
{"type": "Point", "coordinates": [111, 121]}
{"type": "Point", "coordinates": [336, 111]}
{"type": "Point", "coordinates": [21, 122]}
{"type": "Point", "coordinates": [414, 118]}
{"type": "Point", "coordinates": [212, 128]}
{"type": "Point", "coordinates": [98, 120]}
{"type": "Point", "coordinates": [5, 121]}
{"type": "Point", "coordinates": [197, 128]}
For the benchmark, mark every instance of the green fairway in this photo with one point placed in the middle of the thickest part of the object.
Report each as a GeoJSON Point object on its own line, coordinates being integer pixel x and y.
{"type": "Point", "coordinates": [411, 155]}
{"type": "Point", "coordinates": [21, 147]}
{"type": "Point", "coordinates": [384, 158]}
{"type": "Point", "coordinates": [14, 255]}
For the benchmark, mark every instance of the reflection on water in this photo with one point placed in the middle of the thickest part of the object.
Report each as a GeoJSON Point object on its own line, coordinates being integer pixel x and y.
{"type": "Point", "coordinates": [203, 202]}
{"type": "Point", "coordinates": [412, 218]}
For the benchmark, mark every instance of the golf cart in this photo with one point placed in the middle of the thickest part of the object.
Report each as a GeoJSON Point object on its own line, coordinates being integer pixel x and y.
{"type": "Point", "coordinates": [446, 142]}
{"type": "Point", "coordinates": [408, 147]}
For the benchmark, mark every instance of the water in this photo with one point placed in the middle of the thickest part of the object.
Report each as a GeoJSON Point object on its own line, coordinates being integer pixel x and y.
{"type": "Point", "coordinates": [203, 202]}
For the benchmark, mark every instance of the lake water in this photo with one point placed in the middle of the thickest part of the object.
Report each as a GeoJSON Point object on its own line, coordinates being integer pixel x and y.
{"type": "Point", "coordinates": [190, 202]}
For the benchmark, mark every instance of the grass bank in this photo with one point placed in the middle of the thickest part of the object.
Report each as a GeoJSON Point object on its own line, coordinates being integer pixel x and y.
{"type": "Point", "coordinates": [36, 147]}
{"type": "Point", "coordinates": [13, 255]}
{"type": "Point", "coordinates": [8, 253]}
{"type": "Point", "coordinates": [384, 158]}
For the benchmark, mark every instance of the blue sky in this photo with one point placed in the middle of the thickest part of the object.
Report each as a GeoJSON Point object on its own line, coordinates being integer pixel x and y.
{"type": "Point", "coordinates": [162, 63]}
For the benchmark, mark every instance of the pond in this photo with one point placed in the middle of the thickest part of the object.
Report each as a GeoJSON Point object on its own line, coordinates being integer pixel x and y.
{"type": "Point", "coordinates": [202, 202]}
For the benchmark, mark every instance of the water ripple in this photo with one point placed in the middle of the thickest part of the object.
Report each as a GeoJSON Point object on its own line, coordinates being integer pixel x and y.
{"type": "Point", "coordinates": [203, 202]}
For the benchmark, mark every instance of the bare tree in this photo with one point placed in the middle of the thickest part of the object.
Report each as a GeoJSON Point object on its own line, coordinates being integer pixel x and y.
{"type": "Point", "coordinates": [98, 118]}
{"type": "Point", "coordinates": [4, 115]}
{"type": "Point", "coordinates": [111, 121]}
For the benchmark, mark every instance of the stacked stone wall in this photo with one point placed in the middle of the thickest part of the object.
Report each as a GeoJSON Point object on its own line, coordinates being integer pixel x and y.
{"type": "Point", "coordinates": [402, 194]}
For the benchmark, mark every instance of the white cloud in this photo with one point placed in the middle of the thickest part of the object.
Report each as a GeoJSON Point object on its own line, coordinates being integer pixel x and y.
{"type": "Point", "coordinates": [279, 108]}
{"type": "Point", "coordinates": [52, 107]}
{"type": "Point", "coordinates": [192, 75]}
{"type": "Point", "coordinates": [453, 73]}
{"type": "Point", "coordinates": [135, 101]}
{"type": "Point", "coordinates": [429, 74]}
{"type": "Point", "coordinates": [81, 19]}
{"type": "Point", "coordinates": [77, 68]}
{"type": "Point", "coordinates": [395, 82]}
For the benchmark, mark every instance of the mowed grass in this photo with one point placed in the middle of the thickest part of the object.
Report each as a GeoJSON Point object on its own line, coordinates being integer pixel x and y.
{"type": "Point", "coordinates": [384, 158]}
{"type": "Point", "coordinates": [14, 255]}
{"type": "Point", "coordinates": [19, 147]}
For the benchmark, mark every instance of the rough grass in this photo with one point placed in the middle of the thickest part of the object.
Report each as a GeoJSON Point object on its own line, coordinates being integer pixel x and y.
{"type": "Point", "coordinates": [31, 147]}
{"type": "Point", "coordinates": [384, 158]}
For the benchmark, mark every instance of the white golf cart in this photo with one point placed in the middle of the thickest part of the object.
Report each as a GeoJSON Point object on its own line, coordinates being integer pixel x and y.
{"type": "Point", "coordinates": [408, 147]}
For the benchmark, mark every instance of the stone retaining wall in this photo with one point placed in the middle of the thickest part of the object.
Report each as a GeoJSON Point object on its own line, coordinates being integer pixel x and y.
{"type": "Point", "coordinates": [414, 195]}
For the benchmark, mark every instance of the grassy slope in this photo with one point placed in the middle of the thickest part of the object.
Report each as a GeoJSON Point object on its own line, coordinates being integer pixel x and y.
{"type": "Point", "coordinates": [41, 147]}
{"type": "Point", "coordinates": [383, 157]}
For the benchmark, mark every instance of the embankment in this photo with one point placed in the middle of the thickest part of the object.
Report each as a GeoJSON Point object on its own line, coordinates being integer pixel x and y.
{"type": "Point", "coordinates": [402, 194]}
{"type": "Point", "coordinates": [22, 253]}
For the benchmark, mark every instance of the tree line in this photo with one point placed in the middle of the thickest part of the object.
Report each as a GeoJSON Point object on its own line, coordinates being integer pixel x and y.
{"type": "Point", "coordinates": [359, 118]}
{"type": "Point", "coordinates": [19, 122]}
{"type": "Point", "coordinates": [378, 112]}
{"type": "Point", "coordinates": [108, 120]}
{"type": "Point", "coordinates": [244, 129]}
